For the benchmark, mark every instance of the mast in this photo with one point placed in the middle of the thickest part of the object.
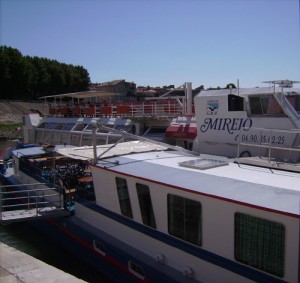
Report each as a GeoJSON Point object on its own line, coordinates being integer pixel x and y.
{"type": "Point", "coordinates": [189, 99]}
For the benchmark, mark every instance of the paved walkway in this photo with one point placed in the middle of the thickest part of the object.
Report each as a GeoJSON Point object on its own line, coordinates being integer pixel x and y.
{"type": "Point", "coordinates": [17, 267]}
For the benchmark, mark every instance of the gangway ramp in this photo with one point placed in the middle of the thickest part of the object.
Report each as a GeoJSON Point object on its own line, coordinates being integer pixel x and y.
{"type": "Point", "coordinates": [31, 201]}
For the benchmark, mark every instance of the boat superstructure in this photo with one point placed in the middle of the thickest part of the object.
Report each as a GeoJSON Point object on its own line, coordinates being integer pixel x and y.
{"type": "Point", "coordinates": [253, 118]}
{"type": "Point", "coordinates": [71, 122]}
{"type": "Point", "coordinates": [227, 212]}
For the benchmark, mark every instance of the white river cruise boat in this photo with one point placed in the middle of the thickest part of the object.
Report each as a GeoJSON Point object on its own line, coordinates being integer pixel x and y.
{"type": "Point", "coordinates": [228, 211]}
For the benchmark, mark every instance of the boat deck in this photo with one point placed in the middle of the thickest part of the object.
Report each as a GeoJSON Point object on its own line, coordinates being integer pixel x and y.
{"type": "Point", "coordinates": [26, 214]}
{"type": "Point", "coordinates": [269, 163]}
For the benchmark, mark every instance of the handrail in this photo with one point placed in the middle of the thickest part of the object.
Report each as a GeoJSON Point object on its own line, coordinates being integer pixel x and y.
{"type": "Point", "coordinates": [164, 108]}
{"type": "Point", "coordinates": [31, 199]}
{"type": "Point", "coordinates": [274, 139]}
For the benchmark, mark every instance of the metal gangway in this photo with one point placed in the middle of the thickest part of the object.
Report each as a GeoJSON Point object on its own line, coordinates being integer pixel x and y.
{"type": "Point", "coordinates": [25, 202]}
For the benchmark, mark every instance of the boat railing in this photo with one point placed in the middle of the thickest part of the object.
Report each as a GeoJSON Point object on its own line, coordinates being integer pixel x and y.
{"type": "Point", "coordinates": [30, 201]}
{"type": "Point", "coordinates": [269, 146]}
{"type": "Point", "coordinates": [163, 108]}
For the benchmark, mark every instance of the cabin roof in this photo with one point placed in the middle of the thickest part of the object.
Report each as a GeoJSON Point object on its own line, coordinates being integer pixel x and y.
{"type": "Point", "coordinates": [111, 150]}
{"type": "Point", "coordinates": [81, 95]}
{"type": "Point", "coordinates": [242, 184]}
{"type": "Point", "coordinates": [30, 151]}
{"type": "Point", "coordinates": [246, 91]}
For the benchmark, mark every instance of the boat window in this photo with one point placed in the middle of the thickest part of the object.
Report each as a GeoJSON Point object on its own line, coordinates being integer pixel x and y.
{"type": "Point", "coordinates": [68, 127]}
{"type": "Point", "coordinates": [146, 205]}
{"type": "Point", "coordinates": [265, 105]}
{"type": "Point", "coordinates": [87, 140]}
{"type": "Point", "coordinates": [80, 127]}
{"type": "Point", "coordinates": [75, 139]}
{"type": "Point", "coordinates": [100, 248]}
{"type": "Point", "coordinates": [89, 127]}
{"type": "Point", "coordinates": [155, 130]}
{"type": "Point", "coordinates": [136, 269]}
{"type": "Point", "coordinates": [43, 125]}
{"type": "Point", "coordinates": [255, 105]}
{"type": "Point", "coordinates": [59, 126]}
{"type": "Point", "coordinates": [85, 187]}
{"type": "Point", "coordinates": [294, 100]}
{"type": "Point", "coordinates": [124, 199]}
{"type": "Point", "coordinates": [235, 103]}
{"type": "Point", "coordinates": [259, 243]}
{"type": "Point", "coordinates": [51, 125]}
{"type": "Point", "coordinates": [270, 106]}
{"type": "Point", "coordinates": [185, 219]}
{"type": "Point", "coordinates": [123, 128]}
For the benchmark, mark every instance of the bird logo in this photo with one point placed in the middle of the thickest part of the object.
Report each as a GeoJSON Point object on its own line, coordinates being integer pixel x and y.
{"type": "Point", "coordinates": [212, 107]}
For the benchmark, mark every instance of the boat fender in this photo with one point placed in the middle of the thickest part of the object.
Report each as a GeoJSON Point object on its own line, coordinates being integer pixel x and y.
{"type": "Point", "coordinates": [188, 272]}
{"type": "Point", "coordinates": [245, 153]}
{"type": "Point", "coordinates": [160, 258]}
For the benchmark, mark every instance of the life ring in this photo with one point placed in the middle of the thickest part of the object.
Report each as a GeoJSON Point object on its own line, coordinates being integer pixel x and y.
{"type": "Point", "coordinates": [245, 153]}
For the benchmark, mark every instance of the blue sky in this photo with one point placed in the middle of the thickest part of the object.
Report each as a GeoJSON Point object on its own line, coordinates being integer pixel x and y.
{"type": "Point", "coordinates": [161, 42]}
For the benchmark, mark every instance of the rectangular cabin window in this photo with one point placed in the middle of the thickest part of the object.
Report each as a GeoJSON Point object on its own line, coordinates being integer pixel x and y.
{"type": "Point", "coordinates": [69, 127]}
{"type": "Point", "coordinates": [89, 128]}
{"type": "Point", "coordinates": [87, 140]}
{"type": "Point", "coordinates": [270, 106]}
{"type": "Point", "coordinates": [294, 100]}
{"type": "Point", "coordinates": [185, 219]}
{"type": "Point", "coordinates": [265, 105]}
{"type": "Point", "coordinates": [259, 243]}
{"type": "Point", "coordinates": [43, 126]}
{"type": "Point", "coordinates": [80, 127]}
{"type": "Point", "coordinates": [235, 103]}
{"type": "Point", "coordinates": [123, 196]}
{"type": "Point", "coordinates": [255, 105]}
{"type": "Point", "coordinates": [51, 126]}
{"type": "Point", "coordinates": [145, 205]}
{"type": "Point", "coordinates": [59, 126]}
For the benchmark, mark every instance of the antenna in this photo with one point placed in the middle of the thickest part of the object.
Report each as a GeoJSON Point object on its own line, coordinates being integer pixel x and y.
{"type": "Point", "coordinates": [282, 83]}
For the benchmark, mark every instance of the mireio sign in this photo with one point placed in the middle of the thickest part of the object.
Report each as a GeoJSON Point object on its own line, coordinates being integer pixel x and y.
{"type": "Point", "coordinates": [226, 124]}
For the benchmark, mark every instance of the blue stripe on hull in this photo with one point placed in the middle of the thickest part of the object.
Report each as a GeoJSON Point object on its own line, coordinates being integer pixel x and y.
{"type": "Point", "coordinates": [207, 256]}
{"type": "Point", "coordinates": [78, 241]}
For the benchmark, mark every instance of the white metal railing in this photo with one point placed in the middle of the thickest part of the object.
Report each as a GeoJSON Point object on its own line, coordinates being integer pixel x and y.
{"type": "Point", "coordinates": [28, 201]}
{"type": "Point", "coordinates": [168, 108]}
{"type": "Point", "coordinates": [272, 140]}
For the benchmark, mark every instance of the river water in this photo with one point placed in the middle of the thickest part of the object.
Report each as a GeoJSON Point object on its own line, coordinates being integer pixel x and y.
{"type": "Point", "coordinates": [23, 237]}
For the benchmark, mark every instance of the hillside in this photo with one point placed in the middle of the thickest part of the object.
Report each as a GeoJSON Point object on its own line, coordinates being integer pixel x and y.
{"type": "Point", "coordinates": [12, 112]}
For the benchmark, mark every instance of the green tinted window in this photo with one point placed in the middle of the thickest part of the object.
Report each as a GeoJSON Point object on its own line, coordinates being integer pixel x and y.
{"type": "Point", "coordinates": [146, 205]}
{"type": "Point", "coordinates": [184, 219]}
{"type": "Point", "coordinates": [259, 243]}
{"type": "Point", "coordinates": [123, 195]}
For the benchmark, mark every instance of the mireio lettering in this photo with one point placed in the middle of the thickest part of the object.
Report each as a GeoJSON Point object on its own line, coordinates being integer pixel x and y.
{"type": "Point", "coordinates": [226, 124]}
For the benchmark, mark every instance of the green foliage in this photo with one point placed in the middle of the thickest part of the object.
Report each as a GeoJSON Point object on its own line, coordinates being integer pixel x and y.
{"type": "Point", "coordinates": [7, 127]}
{"type": "Point", "coordinates": [231, 85]}
{"type": "Point", "coordinates": [26, 78]}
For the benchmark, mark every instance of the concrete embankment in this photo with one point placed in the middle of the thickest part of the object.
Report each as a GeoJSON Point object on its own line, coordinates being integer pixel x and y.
{"type": "Point", "coordinates": [16, 266]}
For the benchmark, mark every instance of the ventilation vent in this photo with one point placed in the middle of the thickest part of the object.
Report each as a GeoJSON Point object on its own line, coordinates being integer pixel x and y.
{"type": "Point", "coordinates": [203, 164]}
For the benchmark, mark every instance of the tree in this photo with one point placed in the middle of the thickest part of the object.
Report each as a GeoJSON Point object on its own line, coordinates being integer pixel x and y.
{"type": "Point", "coordinates": [231, 85]}
{"type": "Point", "coordinates": [25, 77]}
